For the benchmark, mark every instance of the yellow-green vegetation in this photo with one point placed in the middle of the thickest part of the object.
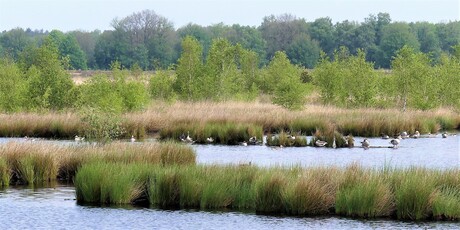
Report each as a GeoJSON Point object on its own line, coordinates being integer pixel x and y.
{"type": "Point", "coordinates": [32, 163]}
{"type": "Point", "coordinates": [407, 194]}
{"type": "Point", "coordinates": [210, 118]}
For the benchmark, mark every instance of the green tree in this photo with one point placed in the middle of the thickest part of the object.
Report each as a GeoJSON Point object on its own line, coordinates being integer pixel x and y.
{"type": "Point", "coordinates": [304, 51]}
{"type": "Point", "coordinates": [68, 48]}
{"type": "Point", "coordinates": [428, 39]}
{"type": "Point", "coordinates": [14, 42]}
{"type": "Point", "coordinates": [414, 79]}
{"type": "Point", "coordinates": [161, 86]}
{"type": "Point", "coordinates": [285, 77]}
{"type": "Point", "coordinates": [189, 80]}
{"type": "Point", "coordinates": [328, 78]}
{"type": "Point", "coordinates": [12, 86]}
{"type": "Point", "coordinates": [48, 82]}
{"type": "Point", "coordinates": [324, 32]}
{"type": "Point", "coordinates": [394, 37]}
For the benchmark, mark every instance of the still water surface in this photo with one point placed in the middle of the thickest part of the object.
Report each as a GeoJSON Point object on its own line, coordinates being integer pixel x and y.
{"type": "Point", "coordinates": [55, 208]}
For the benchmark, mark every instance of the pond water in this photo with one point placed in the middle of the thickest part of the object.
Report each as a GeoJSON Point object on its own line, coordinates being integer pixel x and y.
{"type": "Point", "coordinates": [436, 152]}
{"type": "Point", "coordinates": [55, 208]}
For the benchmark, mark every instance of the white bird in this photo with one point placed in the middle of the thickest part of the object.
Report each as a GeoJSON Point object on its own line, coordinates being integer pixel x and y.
{"type": "Point", "coordinates": [291, 137]}
{"type": "Point", "coordinates": [365, 143]}
{"type": "Point", "coordinates": [78, 139]}
{"type": "Point", "coordinates": [334, 145]}
{"type": "Point", "coordinates": [244, 143]}
{"type": "Point", "coordinates": [320, 143]}
{"type": "Point", "coordinates": [188, 139]}
{"type": "Point", "coordinates": [133, 139]}
{"type": "Point", "coordinates": [384, 136]}
{"type": "Point", "coordinates": [395, 142]}
{"type": "Point", "coordinates": [209, 140]}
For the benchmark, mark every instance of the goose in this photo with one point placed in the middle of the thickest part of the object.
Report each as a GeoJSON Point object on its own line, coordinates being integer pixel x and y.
{"type": "Point", "coordinates": [188, 139]}
{"type": "Point", "coordinates": [365, 143]}
{"type": "Point", "coordinates": [416, 134]}
{"type": "Point", "coordinates": [133, 139]}
{"type": "Point", "coordinates": [404, 135]}
{"type": "Point", "coordinates": [444, 135]}
{"type": "Point", "coordinates": [395, 142]}
{"type": "Point", "coordinates": [244, 143]}
{"type": "Point", "coordinates": [253, 140]}
{"type": "Point", "coordinates": [384, 136]}
{"type": "Point", "coordinates": [320, 143]}
{"type": "Point", "coordinates": [290, 137]}
{"type": "Point", "coordinates": [209, 140]}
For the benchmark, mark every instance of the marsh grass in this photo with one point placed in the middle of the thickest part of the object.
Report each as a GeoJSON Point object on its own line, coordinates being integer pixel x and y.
{"type": "Point", "coordinates": [222, 132]}
{"type": "Point", "coordinates": [407, 194]}
{"type": "Point", "coordinates": [204, 119]}
{"type": "Point", "coordinates": [415, 189]}
{"type": "Point", "coordinates": [284, 139]}
{"type": "Point", "coordinates": [446, 204]}
{"type": "Point", "coordinates": [4, 173]}
{"type": "Point", "coordinates": [40, 162]}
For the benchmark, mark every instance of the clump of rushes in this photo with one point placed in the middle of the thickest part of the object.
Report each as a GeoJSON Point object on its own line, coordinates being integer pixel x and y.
{"type": "Point", "coordinates": [414, 192]}
{"type": "Point", "coordinates": [286, 140]}
{"type": "Point", "coordinates": [4, 173]}
{"type": "Point", "coordinates": [369, 197]}
{"type": "Point", "coordinates": [34, 162]}
{"type": "Point", "coordinates": [330, 135]}
{"type": "Point", "coordinates": [352, 191]}
{"type": "Point", "coordinates": [221, 132]}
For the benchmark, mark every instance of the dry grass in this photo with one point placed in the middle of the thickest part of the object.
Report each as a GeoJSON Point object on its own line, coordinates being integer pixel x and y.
{"type": "Point", "coordinates": [161, 115]}
{"type": "Point", "coordinates": [38, 162]}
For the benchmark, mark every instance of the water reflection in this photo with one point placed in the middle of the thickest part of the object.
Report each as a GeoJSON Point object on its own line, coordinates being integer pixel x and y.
{"type": "Point", "coordinates": [55, 208]}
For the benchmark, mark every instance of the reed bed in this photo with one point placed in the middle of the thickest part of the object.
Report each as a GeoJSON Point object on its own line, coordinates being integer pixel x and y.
{"type": "Point", "coordinates": [220, 132]}
{"type": "Point", "coordinates": [31, 163]}
{"type": "Point", "coordinates": [273, 119]}
{"type": "Point", "coordinates": [354, 191]}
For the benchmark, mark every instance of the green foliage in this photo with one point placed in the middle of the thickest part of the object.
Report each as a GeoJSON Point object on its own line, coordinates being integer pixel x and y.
{"type": "Point", "coordinates": [100, 92]}
{"type": "Point", "coordinates": [189, 70]}
{"type": "Point", "coordinates": [101, 126]}
{"type": "Point", "coordinates": [414, 79]}
{"type": "Point", "coordinates": [48, 84]}
{"type": "Point", "coordinates": [161, 86]}
{"type": "Point", "coordinates": [12, 87]}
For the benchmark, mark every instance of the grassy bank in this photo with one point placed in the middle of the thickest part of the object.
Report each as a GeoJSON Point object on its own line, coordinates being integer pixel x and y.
{"type": "Point", "coordinates": [406, 194]}
{"type": "Point", "coordinates": [203, 119]}
{"type": "Point", "coordinates": [32, 163]}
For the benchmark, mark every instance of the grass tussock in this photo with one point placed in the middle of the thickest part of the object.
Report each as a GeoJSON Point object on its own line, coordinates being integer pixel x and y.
{"type": "Point", "coordinates": [221, 132]}
{"type": "Point", "coordinates": [407, 194]}
{"type": "Point", "coordinates": [4, 173]}
{"type": "Point", "coordinates": [29, 163]}
{"type": "Point", "coordinates": [286, 140]}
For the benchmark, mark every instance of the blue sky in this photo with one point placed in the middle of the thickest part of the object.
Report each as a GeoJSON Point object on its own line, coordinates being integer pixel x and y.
{"type": "Point", "coordinates": [67, 15]}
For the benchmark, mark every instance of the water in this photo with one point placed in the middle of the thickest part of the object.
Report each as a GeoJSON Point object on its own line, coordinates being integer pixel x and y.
{"type": "Point", "coordinates": [55, 208]}
{"type": "Point", "coordinates": [441, 153]}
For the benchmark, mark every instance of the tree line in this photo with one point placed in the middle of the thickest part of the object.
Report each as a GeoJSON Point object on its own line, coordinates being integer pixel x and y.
{"type": "Point", "coordinates": [148, 41]}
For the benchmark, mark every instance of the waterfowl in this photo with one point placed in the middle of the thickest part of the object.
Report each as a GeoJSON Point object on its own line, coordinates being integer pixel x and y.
{"type": "Point", "coordinates": [77, 138]}
{"type": "Point", "coordinates": [395, 142]}
{"type": "Point", "coordinates": [365, 143]}
{"type": "Point", "coordinates": [253, 140]}
{"type": "Point", "coordinates": [182, 137]}
{"type": "Point", "coordinates": [350, 141]}
{"type": "Point", "coordinates": [334, 145]}
{"type": "Point", "coordinates": [416, 134]}
{"type": "Point", "coordinates": [291, 137]}
{"type": "Point", "coordinates": [133, 139]}
{"type": "Point", "coordinates": [188, 139]}
{"type": "Point", "coordinates": [444, 135]}
{"type": "Point", "coordinates": [384, 136]}
{"type": "Point", "coordinates": [244, 143]}
{"type": "Point", "coordinates": [320, 143]}
{"type": "Point", "coordinates": [404, 135]}
{"type": "Point", "coordinates": [209, 140]}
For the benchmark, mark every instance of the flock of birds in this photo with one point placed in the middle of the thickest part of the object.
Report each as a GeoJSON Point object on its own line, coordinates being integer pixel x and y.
{"type": "Point", "coordinates": [397, 139]}
{"type": "Point", "coordinates": [187, 139]}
